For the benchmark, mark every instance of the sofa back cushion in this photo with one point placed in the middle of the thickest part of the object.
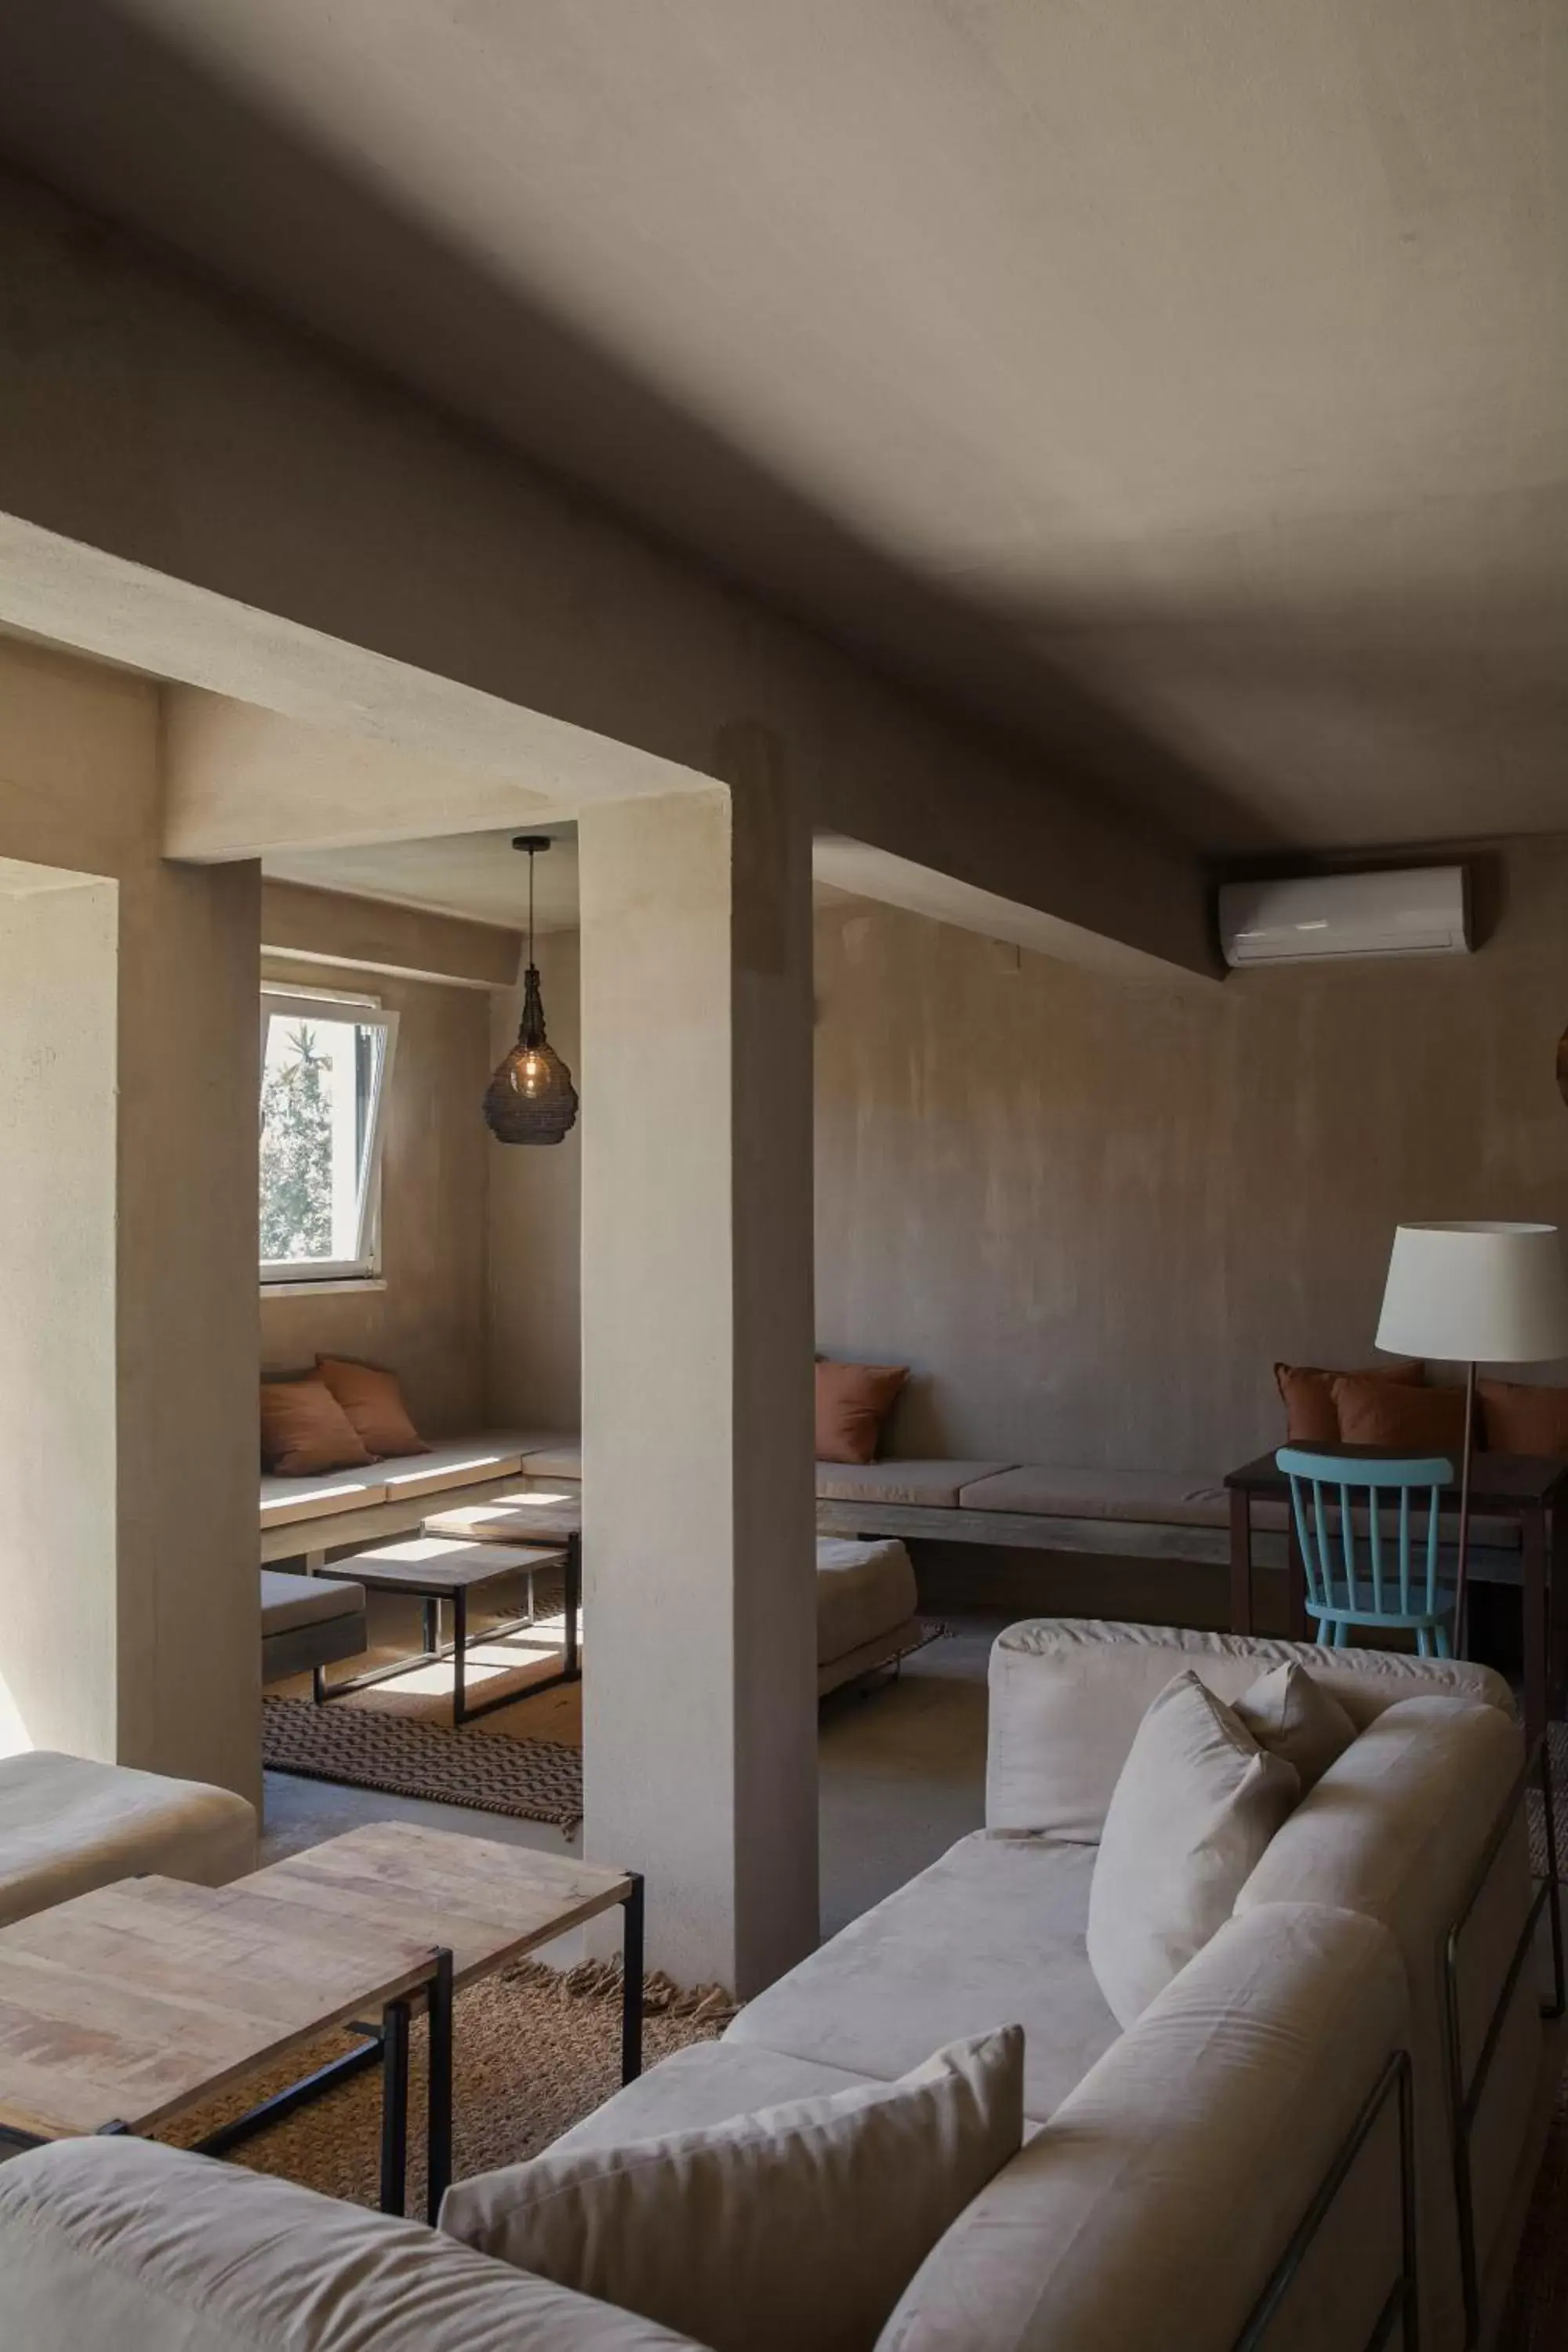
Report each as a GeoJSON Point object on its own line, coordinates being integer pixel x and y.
{"type": "Point", "coordinates": [1068, 1695]}
{"type": "Point", "coordinates": [1152, 2209]}
{"type": "Point", "coordinates": [799, 2225]}
{"type": "Point", "coordinates": [1395, 1830]}
{"type": "Point", "coordinates": [1197, 1801]}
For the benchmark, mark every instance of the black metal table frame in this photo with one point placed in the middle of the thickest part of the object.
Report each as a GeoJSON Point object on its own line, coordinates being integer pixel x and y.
{"type": "Point", "coordinates": [388, 2041]}
{"type": "Point", "coordinates": [436, 1653]}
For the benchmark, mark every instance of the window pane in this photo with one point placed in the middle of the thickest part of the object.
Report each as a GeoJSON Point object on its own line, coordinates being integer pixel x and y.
{"type": "Point", "coordinates": [318, 1078]}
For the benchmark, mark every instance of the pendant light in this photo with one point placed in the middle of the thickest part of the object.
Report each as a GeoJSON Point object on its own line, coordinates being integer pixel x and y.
{"type": "Point", "coordinates": [530, 1099]}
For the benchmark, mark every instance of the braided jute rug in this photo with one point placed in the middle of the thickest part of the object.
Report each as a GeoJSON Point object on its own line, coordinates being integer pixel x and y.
{"type": "Point", "coordinates": [533, 2050]}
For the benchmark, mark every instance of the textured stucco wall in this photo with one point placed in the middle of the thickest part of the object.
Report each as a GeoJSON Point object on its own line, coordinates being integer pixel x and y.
{"type": "Point", "coordinates": [426, 1322]}
{"type": "Point", "coordinates": [1091, 1214]}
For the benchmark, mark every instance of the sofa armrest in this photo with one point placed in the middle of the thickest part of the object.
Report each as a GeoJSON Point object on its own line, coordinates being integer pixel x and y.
{"type": "Point", "coordinates": [1243, 2137]}
{"type": "Point", "coordinates": [107, 2244]}
{"type": "Point", "coordinates": [1068, 1695]}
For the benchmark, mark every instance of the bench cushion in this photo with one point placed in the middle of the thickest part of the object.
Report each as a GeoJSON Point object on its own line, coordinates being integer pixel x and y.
{"type": "Point", "coordinates": [991, 1935]}
{"type": "Point", "coordinates": [289, 1602]}
{"type": "Point", "coordinates": [285, 1501]}
{"type": "Point", "coordinates": [68, 1824]}
{"type": "Point", "coordinates": [935, 1484]}
{"type": "Point", "coordinates": [1161, 1497]}
{"type": "Point", "coordinates": [561, 1457]}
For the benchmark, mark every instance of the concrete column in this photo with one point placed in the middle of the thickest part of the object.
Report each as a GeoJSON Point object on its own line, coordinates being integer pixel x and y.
{"type": "Point", "coordinates": [129, 1612]}
{"type": "Point", "coordinates": [699, 1696]}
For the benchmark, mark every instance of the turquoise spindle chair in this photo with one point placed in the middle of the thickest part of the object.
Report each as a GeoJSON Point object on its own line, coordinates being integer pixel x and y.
{"type": "Point", "coordinates": [1359, 1571]}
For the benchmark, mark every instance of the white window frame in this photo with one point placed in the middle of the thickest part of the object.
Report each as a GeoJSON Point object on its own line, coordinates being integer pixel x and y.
{"type": "Point", "coordinates": [367, 1012]}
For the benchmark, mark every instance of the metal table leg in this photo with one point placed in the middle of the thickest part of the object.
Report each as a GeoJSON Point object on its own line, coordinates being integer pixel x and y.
{"type": "Point", "coordinates": [438, 2120]}
{"type": "Point", "coordinates": [459, 1654]}
{"type": "Point", "coordinates": [631, 1979]}
{"type": "Point", "coordinates": [394, 2107]}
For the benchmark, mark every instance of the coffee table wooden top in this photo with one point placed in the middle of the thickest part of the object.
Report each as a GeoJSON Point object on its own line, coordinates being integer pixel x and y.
{"type": "Point", "coordinates": [429, 1563]}
{"type": "Point", "coordinates": [511, 1518]}
{"type": "Point", "coordinates": [128, 2003]}
{"type": "Point", "coordinates": [487, 1903]}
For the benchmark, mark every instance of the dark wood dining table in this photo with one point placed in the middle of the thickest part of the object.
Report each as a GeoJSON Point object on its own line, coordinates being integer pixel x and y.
{"type": "Point", "coordinates": [1530, 1489]}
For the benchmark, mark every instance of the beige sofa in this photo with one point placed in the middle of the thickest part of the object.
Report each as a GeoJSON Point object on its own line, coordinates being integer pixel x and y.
{"type": "Point", "coordinates": [1170, 2173]}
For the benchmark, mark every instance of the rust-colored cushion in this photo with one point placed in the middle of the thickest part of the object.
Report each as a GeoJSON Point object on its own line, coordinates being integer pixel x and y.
{"type": "Point", "coordinates": [304, 1431]}
{"type": "Point", "coordinates": [373, 1403]}
{"type": "Point", "coordinates": [852, 1402]}
{"type": "Point", "coordinates": [1520, 1418]}
{"type": "Point", "coordinates": [1308, 1396]}
{"type": "Point", "coordinates": [1406, 1419]}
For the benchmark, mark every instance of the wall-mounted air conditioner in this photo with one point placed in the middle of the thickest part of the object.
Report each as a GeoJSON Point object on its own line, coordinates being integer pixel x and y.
{"type": "Point", "coordinates": [1422, 911]}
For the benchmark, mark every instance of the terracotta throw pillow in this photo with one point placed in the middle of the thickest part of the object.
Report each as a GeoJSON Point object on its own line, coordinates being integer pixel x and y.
{"type": "Point", "coordinates": [853, 1401]}
{"type": "Point", "coordinates": [1404, 1419]}
{"type": "Point", "coordinates": [1518, 1418]}
{"type": "Point", "coordinates": [1308, 1396]}
{"type": "Point", "coordinates": [305, 1431]}
{"type": "Point", "coordinates": [373, 1403]}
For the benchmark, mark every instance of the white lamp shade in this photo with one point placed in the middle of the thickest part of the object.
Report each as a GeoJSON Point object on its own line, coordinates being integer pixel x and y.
{"type": "Point", "coordinates": [1484, 1294]}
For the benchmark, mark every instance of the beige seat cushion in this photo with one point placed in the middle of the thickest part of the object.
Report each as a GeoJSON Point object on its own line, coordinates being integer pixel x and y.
{"type": "Point", "coordinates": [555, 1458]}
{"type": "Point", "coordinates": [992, 1931]}
{"type": "Point", "coordinates": [1294, 1715]}
{"type": "Point", "coordinates": [1197, 1802]}
{"type": "Point", "coordinates": [704, 2084]}
{"type": "Point", "coordinates": [1395, 1829]}
{"type": "Point", "coordinates": [68, 1824]}
{"type": "Point", "coordinates": [800, 2224]}
{"type": "Point", "coordinates": [933, 1485]}
{"type": "Point", "coordinates": [1149, 2213]}
{"type": "Point", "coordinates": [1068, 1695]}
{"type": "Point", "coordinates": [285, 1501]}
{"type": "Point", "coordinates": [863, 1589]}
{"type": "Point", "coordinates": [288, 1602]}
{"type": "Point", "coordinates": [464, 1461]}
{"type": "Point", "coordinates": [121, 2245]}
{"type": "Point", "coordinates": [1163, 1498]}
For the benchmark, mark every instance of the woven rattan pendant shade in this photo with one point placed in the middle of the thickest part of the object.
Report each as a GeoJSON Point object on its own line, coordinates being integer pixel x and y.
{"type": "Point", "coordinates": [530, 1099]}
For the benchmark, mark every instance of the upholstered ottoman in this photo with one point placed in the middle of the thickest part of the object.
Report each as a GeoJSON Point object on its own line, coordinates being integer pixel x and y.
{"type": "Point", "coordinates": [68, 1824]}
{"type": "Point", "coordinates": [307, 1622]}
{"type": "Point", "coordinates": [866, 1604]}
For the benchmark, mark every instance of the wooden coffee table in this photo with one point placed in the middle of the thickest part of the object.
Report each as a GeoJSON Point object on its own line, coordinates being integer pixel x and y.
{"type": "Point", "coordinates": [438, 1568]}
{"type": "Point", "coordinates": [132, 2004]}
{"type": "Point", "coordinates": [489, 1902]}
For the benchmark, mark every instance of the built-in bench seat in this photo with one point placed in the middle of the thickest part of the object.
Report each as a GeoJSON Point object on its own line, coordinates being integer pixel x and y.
{"type": "Point", "coordinates": [390, 1498]}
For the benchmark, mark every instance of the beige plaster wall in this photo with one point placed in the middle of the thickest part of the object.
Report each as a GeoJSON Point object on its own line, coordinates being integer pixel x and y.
{"type": "Point", "coordinates": [533, 1297]}
{"type": "Point", "coordinates": [1091, 1214]}
{"type": "Point", "coordinates": [425, 1317]}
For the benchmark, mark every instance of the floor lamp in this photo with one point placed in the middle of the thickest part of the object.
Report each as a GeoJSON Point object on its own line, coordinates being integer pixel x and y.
{"type": "Point", "coordinates": [1489, 1294]}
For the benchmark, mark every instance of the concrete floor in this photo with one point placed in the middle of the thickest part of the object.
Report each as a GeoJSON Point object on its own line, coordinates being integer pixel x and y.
{"type": "Point", "coordinates": [902, 1775]}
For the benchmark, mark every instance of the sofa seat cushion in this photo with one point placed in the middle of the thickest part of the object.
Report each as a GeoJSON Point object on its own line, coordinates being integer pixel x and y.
{"type": "Point", "coordinates": [286, 1500]}
{"type": "Point", "coordinates": [931, 1485]}
{"type": "Point", "coordinates": [991, 1933]}
{"type": "Point", "coordinates": [863, 1591]}
{"type": "Point", "coordinates": [1157, 1497]}
{"type": "Point", "coordinates": [121, 2245]}
{"type": "Point", "coordinates": [704, 2084]}
{"type": "Point", "coordinates": [1147, 2214]}
{"type": "Point", "coordinates": [289, 1602]}
{"type": "Point", "coordinates": [68, 1824]}
{"type": "Point", "coordinates": [1068, 1695]}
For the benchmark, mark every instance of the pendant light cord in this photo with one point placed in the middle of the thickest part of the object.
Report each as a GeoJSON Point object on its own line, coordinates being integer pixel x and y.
{"type": "Point", "coordinates": [530, 858]}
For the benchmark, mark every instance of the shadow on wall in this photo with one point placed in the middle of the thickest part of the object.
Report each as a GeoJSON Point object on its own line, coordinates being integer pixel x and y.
{"type": "Point", "coordinates": [98, 106]}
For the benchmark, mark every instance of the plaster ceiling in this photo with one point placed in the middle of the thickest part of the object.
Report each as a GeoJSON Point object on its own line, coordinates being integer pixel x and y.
{"type": "Point", "coordinates": [1181, 389]}
{"type": "Point", "coordinates": [479, 875]}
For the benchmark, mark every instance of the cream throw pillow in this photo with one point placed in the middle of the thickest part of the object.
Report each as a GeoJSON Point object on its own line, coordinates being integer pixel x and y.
{"type": "Point", "coordinates": [1196, 1804]}
{"type": "Point", "coordinates": [1288, 1712]}
{"type": "Point", "coordinates": [800, 2225]}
